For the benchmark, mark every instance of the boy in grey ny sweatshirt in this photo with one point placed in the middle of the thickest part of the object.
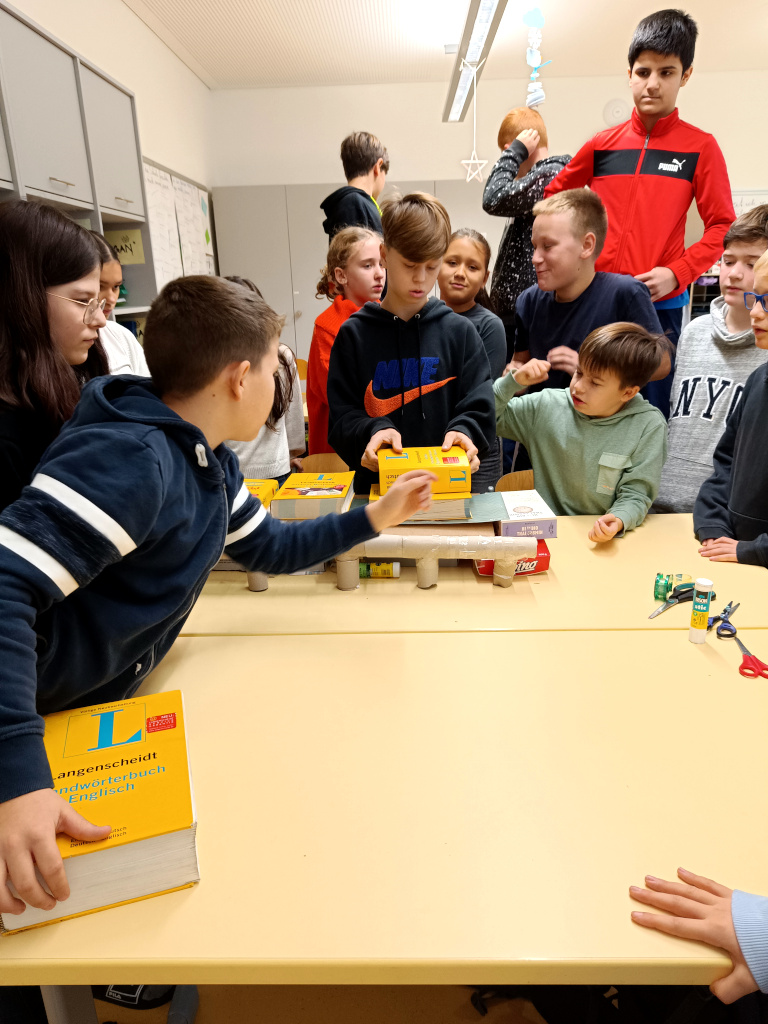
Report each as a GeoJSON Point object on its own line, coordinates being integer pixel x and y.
{"type": "Point", "coordinates": [596, 447]}
{"type": "Point", "coordinates": [715, 355]}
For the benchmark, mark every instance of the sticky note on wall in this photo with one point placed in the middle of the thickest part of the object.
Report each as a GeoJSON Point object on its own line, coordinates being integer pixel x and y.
{"type": "Point", "coordinates": [128, 243]}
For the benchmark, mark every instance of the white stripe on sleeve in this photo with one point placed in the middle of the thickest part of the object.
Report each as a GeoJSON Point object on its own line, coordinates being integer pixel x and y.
{"type": "Point", "coordinates": [35, 555]}
{"type": "Point", "coordinates": [86, 509]}
{"type": "Point", "coordinates": [240, 499]}
{"type": "Point", "coordinates": [249, 527]}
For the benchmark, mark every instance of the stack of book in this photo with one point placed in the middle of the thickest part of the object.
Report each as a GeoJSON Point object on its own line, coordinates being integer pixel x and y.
{"type": "Point", "coordinates": [451, 491]}
{"type": "Point", "coordinates": [311, 495]}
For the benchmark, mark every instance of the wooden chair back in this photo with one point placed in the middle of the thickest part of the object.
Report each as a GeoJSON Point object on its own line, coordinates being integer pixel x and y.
{"type": "Point", "coordinates": [325, 462]}
{"type": "Point", "coordinates": [520, 481]}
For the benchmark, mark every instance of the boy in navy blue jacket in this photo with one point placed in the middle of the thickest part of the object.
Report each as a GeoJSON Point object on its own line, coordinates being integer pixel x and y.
{"type": "Point", "coordinates": [103, 555]}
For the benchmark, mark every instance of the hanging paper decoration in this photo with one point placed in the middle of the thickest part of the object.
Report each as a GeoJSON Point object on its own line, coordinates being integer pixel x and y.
{"type": "Point", "coordinates": [474, 166]}
{"type": "Point", "coordinates": [534, 19]}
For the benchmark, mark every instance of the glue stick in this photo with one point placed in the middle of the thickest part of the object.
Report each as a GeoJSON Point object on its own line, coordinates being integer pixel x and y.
{"type": "Point", "coordinates": [702, 595]}
{"type": "Point", "coordinates": [379, 570]}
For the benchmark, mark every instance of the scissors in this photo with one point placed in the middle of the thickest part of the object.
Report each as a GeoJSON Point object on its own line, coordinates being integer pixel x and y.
{"type": "Point", "coordinates": [726, 630]}
{"type": "Point", "coordinates": [751, 666]}
{"type": "Point", "coordinates": [682, 592]}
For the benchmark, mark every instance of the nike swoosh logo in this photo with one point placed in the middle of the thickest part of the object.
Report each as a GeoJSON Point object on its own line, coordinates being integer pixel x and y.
{"type": "Point", "coordinates": [384, 406]}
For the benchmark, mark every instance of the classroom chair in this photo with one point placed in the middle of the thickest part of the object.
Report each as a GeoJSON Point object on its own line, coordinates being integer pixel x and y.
{"type": "Point", "coordinates": [325, 462]}
{"type": "Point", "coordinates": [520, 481]}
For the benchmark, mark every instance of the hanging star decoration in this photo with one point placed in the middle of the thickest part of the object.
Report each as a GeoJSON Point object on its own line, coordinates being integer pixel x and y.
{"type": "Point", "coordinates": [474, 166]}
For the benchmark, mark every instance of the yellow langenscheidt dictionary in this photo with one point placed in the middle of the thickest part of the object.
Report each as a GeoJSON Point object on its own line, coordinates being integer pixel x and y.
{"type": "Point", "coordinates": [310, 495]}
{"type": "Point", "coordinates": [122, 764]}
{"type": "Point", "coordinates": [264, 490]}
{"type": "Point", "coordinates": [451, 468]}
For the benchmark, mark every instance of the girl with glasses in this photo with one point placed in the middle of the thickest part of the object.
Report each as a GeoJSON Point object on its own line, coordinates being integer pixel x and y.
{"type": "Point", "coordinates": [50, 316]}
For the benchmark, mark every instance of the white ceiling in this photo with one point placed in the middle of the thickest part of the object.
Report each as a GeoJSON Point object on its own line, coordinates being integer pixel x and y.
{"type": "Point", "coordinates": [252, 44]}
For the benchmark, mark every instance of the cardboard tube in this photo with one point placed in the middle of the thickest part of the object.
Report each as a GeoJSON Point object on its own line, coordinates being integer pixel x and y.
{"type": "Point", "coordinates": [426, 572]}
{"type": "Point", "coordinates": [257, 581]}
{"type": "Point", "coordinates": [347, 572]}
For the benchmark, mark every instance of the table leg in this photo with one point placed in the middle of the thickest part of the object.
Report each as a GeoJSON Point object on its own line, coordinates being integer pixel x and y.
{"type": "Point", "coordinates": [69, 1004]}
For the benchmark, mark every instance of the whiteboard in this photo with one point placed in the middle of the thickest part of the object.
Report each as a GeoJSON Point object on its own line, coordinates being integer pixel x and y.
{"type": "Point", "coordinates": [189, 217]}
{"type": "Point", "coordinates": [163, 229]}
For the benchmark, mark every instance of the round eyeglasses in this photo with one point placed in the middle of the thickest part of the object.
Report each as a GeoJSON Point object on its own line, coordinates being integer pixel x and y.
{"type": "Point", "coordinates": [750, 298]}
{"type": "Point", "coordinates": [91, 308]}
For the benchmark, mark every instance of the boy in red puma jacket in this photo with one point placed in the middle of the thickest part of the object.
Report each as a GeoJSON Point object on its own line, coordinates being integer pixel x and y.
{"type": "Point", "coordinates": [649, 170]}
{"type": "Point", "coordinates": [410, 371]}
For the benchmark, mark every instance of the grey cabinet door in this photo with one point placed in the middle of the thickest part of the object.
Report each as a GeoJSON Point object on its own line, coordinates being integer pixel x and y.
{"type": "Point", "coordinates": [44, 109]}
{"type": "Point", "coordinates": [5, 164]}
{"type": "Point", "coordinates": [112, 140]}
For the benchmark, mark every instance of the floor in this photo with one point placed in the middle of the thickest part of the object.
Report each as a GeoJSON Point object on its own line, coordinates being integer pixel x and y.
{"type": "Point", "coordinates": [278, 1004]}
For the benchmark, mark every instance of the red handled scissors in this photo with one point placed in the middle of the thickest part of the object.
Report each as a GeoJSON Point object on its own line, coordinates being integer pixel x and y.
{"type": "Point", "coordinates": [751, 666]}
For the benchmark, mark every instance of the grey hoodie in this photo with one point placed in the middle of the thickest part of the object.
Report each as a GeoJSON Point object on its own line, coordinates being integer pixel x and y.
{"type": "Point", "coordinates": [712, 367]}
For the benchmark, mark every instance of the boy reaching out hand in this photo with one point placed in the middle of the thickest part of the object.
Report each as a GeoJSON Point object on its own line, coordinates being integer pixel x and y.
{"type": "Point", "coordinates": [105, 552]}
{"type": "Point", "coordinates": [597, 446]}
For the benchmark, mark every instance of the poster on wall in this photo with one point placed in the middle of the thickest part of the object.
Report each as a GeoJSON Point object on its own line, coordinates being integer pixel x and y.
{"type": "Point", "coordinates": [163, 229]}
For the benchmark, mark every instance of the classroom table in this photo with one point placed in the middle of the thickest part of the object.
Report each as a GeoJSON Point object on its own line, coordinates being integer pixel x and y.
{"type": "Point", "coordinates": [588, 586]}
{"type": "Point", "coordinates": [420, 809]}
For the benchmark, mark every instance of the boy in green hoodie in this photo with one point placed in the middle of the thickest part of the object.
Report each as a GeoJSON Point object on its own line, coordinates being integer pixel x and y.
{"type": "Point", "coordinates": [597, 446]}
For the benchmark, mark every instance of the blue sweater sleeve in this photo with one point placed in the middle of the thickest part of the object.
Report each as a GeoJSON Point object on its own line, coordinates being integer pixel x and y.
{"type": "Point", "coordinates": [69, 524]}
{"type": "Point", "coordinates": [750, 921]}
{"type": "Point", "coordinates": [264, 544]}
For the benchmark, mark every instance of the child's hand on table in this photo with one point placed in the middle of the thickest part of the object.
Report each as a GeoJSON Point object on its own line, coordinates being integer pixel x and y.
{"type": "Point", "coordinates": [563, 358]}
{"type": "Point", "coordinates": [719, 549]}
{"type": "Point", "coordinates": [411, 492]}
{"type": "Point", "coordinates": [456, 437]}
{"type": "Point", "coordinates": [701, 910]}
{"type": "Point", "coordinates": [382, 438]}
{"type": "Point", "coordinates": [28, 827]}
{"type": "Point", "coordinates": [605, 528]}
{"type": "Point", "coordinates": [535, 371]}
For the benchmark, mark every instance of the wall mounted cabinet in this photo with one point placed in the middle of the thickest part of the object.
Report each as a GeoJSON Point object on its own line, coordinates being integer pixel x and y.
{"type": "Point", "coordinates": [44, 107]}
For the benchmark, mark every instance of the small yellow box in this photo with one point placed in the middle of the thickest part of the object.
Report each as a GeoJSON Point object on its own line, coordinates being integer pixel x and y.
{"type": "Point", "coordinates": [264, 490]}
{"type": "Point", "coordinates": [451, 468]}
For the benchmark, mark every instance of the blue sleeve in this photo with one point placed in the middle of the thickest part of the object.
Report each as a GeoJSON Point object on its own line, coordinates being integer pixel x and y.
{"type": "Point", "coordinates": [70, 523]}
{"type": "Point", "coordinates": [711, 518]}
{"type": "Point", "coordinates": [640, 310]}
{"type": "Point", "coordinates": [264, 544]}
{"type": "Point", "coordinates": [750, 922]}
{"type": "Point", "coordinates": [494, 339]}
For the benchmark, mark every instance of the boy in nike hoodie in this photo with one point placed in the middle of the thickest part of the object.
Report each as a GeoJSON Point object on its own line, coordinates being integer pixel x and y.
{"type": "Point", "coordinates": [366, 164]}
{"type": "Point", "coordinates": [105, 552]}
{"type": "Point", "coordinates": [597, 446]}
{"type": "Point", "coordinates": [410, 371]}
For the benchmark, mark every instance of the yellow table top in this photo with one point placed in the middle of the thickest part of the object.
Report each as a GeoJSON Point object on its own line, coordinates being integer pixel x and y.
{"type": "Point", "coordinates": [589, 586]}
{"type": "Point", "coordinates": [389, 810]}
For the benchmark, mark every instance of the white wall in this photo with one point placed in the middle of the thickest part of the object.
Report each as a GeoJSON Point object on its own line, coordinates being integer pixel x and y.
{"type": "Point", "coordinates": [173, 105]}
{"type": "Point", "coordinates": [292, 136]}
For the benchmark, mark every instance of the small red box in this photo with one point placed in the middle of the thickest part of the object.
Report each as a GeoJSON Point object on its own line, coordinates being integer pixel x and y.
{"type": "Point", "coordinates": [527, 567]}
{"type": "Point", "coordinates": [157, 723]}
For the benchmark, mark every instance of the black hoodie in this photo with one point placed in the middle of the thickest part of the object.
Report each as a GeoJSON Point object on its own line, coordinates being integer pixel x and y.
{"type": "Point", "coordinates": [423, 376]}
{"type": "Point", "coordinates": [349, 207]}
{"type": "Point", "coordinates": [733, 502]}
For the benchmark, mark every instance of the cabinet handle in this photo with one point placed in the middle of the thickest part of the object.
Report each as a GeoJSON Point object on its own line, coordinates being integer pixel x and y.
{"type": "Point", "coordinates": [122, 199]}
{"type": "Point", "coordinates": [61, 181]}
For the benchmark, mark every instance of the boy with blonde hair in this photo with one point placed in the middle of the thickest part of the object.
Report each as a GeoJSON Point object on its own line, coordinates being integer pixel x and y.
{"type": "Point", "coordinates": [597, 446]}
{"type": "Point", "coordinates": [571, 299]}
{"type": "Point", "coordinates": [410, 371]}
